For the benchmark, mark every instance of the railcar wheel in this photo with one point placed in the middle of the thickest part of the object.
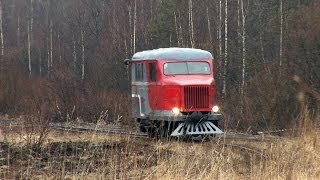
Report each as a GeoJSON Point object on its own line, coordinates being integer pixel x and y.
{"type": "Point", "coordinates": [161, 129]}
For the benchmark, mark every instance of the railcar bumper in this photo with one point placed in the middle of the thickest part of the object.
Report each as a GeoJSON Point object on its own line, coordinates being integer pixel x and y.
{"type": "Point", "coordinates": [194, 117]}
{"type": "Point", "coordinates": [196, 123]}
{"type": "Point", "coordinates": [199, 128]}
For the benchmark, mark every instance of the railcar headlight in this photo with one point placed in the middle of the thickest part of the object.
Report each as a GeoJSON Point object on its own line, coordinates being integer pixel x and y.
{"type": "Point", "coordinates": [175, 110]}
{"type": "Point", "coordinates": [215, 109]}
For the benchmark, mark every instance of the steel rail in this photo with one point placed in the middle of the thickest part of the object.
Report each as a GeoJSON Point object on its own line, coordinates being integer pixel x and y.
{"type": "Point", "coordinates": [132, 131]}
{"type": "Point", "coordinates": [123, 130]}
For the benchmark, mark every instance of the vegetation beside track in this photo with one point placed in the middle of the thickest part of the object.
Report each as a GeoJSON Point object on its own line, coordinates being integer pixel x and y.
{"type": "Point", "coordinates": [73, 155]}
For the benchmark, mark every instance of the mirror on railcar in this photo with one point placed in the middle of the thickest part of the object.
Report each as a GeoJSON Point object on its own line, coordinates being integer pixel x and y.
{"type": "Point", "coordinates": [127, 61]}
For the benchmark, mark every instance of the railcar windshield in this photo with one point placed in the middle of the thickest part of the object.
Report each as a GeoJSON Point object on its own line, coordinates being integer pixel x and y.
{"type": "Point", "coordinates": [176, 68]}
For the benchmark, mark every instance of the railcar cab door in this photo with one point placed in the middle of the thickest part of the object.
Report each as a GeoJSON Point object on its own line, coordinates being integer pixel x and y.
{"type": "Point", "coordinates": [140, 99]}
{"type": "Point", "coordinates": [153, 88]}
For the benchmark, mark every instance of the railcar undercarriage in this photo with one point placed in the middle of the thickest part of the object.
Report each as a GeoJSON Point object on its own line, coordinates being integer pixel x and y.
{"type": "Point", "coordinates": [186, 125]}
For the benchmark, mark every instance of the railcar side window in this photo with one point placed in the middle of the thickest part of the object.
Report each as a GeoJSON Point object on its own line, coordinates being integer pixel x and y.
{"type": "Point", "coordinates": [139, 72]}
{"type": "Point", "coordinates": [152, 72]}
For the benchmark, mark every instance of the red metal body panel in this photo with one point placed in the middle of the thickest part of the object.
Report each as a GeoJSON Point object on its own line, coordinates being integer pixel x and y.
{"type": "Point", "coordinates": [187, 92]}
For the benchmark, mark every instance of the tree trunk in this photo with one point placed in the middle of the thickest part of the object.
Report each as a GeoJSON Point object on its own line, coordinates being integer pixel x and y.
{"type": "Point", "coordinates": [209, 26]}
{"type": "Point", "coordinates": [31, 19]}
{"type": "Point", "coordinates": [220, 42]}
{"type": "Point", "coordinates": [261, 39]}
{"type": "Point", "coordinates": [40, 63]}
{"type": "Point", "coordinates": [60, 54]}
{"type": "Point", "coordinates": [177, 31]}
{"type": "Point", "coordinates": [191, 30]}
{"type": "Point", "coordinates": [48, 54]}
{"type": "Point", "coordinates": [180, 29]}
{"type": "Point", "coordinates": [29, 47]}
{"type": "Point", "coordinates": [1, 30]}
{"type": "Point", "coordinates": [281, 34]}
{"type": "Point", "coordinates": [51, 45]}
{"type": "Point", "coordinates": [74, 54]}
{"type": "Point", "coordinates": [18, 32]}
{"type": "Point", "coordinates": [134, 26]}
{"type": "Point", "coordinates": [83, 62]}
{"type": "Point", "coordinates": [243, 48]}
{"type": "Point", "coordinates": [225, 64]}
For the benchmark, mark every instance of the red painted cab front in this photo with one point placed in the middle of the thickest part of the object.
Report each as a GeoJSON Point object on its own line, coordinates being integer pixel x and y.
{"type": "Point", "coordinates": [186, 85]}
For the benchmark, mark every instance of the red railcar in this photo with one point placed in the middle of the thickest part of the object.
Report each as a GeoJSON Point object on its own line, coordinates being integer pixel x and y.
{"type": "Point", "coordinates": [173, 92]}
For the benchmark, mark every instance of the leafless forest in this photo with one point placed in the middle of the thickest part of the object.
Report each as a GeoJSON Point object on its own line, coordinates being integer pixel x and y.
{"type": "Point", "coordinates": [63, 58]}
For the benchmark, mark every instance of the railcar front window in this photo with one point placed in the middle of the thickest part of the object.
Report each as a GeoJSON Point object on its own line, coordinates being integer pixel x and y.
{"type": "Point", "coordinates": [186, 68]}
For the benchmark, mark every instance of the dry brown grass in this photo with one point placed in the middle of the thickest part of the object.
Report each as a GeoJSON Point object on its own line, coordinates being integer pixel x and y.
{"type": "Point", "coordinates": [96, 156]}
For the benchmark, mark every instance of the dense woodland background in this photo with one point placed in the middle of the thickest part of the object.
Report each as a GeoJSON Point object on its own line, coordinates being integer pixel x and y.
{"type": "Point", "coordinates": [64, 58]}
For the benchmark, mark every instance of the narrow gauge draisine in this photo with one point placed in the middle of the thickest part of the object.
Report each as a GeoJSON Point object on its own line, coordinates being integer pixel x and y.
{"type": "Point", "coordinates": [173, 92]}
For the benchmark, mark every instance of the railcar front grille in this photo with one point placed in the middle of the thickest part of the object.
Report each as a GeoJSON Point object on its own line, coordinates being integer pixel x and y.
{"type": "Point", "coordinates": [196, 97]}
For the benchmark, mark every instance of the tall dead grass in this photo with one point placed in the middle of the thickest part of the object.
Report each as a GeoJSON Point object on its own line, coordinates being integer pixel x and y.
{"type": "Point", "coordinates": [67, 155]}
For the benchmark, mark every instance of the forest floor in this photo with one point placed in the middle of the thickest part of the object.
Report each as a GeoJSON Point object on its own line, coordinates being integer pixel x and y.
{"type": "Point", "coordinates": [70, 155]}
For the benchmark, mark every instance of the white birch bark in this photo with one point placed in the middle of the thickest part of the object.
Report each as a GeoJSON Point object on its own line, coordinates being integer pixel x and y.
{"type": "Point", "coordinates": [51, 45]}
{"type": "Point", "coordinates": [130, 28]}
{"type": "Point", "coordinates": [1, 30]}
{"type": "Point", "coordinates": [177, 31]}
{"type": "Point", "coordinates": [261, 41]}
{"type": "Point", "coordinates": [31, 20]}
{"type": "Point", "coordinates": [181, 30]}
{"type": "Point", "coordinates": [243, 48]}
{"type": "Point", "coordinates": [281, 34]}
{"type": "Point", "coordinates": [225, 64]}
{"type": "Point", "coordinates": [209, 26]}
{"type": "Point", "coordinates": [18, 32]}
{"type": "Point", "coordinates": [29, 47]}
{"type": "Point", "coordinates": [220, 40]}
{"type": "Point", "coordinates": [134, 26]}
{"type": "Point", "coordinates": [83, 59]}
{"type": "Point", "coordinates": [48, 55]}
{"type": "Point", "coordinates": [126, 47]}
{"type": "Point", "coordinates": [74, 54]}
{"type": "Point", "coordinates": [40, 63]}
{"type": "Point", "coordinates": [238, 18]}
{"type": "Point", "coordinates": [191, 30]}
{"type": "Point", "coordinates": [60, 53]}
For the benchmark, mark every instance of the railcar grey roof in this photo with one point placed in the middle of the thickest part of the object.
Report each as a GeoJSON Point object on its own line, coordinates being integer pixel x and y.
{"type": "Point", "coordinates": [172, 54]}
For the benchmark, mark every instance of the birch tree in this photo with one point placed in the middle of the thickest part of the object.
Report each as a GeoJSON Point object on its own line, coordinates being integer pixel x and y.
{"type": "Point", "coordinates": [134, 25]}
{"type": "Point", "coordinates": [51, 44]}
{"type": "Point", "coordinates": [281, 34]}
{"type": "Point", "coordinates": [130, 27]}
{"type": "Point", "coordinates": [261, 37]}
{"type": "Point", "coordinates": [225, 64]}
{"type": "Point", "coordinates": [220, 40]}
{"type": "Point", "coordinates": [31, 19]}
{"type": "Point", "coordinates": [191, 30]}
{"type": "Point", "coordinates": [29, 34]}
{"type": "Point", "coordinates": [40, 63]}
{"type": "Point", "coordinates": [209, 25]}
{"type": "Point", "coordinates": [176, 28]}
{"type": "Point", "coordinates": [1, 30]}
{"type": "Point", "coordinates": [181, 30]}
{"type": "Point", "coordinates": [18, 31]}
{"type": "Point", "coordinates": [74, 54]}
{"type": "Point", "coordinates": [29, 46]}
{"type": "Point", "coordinates": [48, 55]}
{"type": "Point", "coordinates": [243, 13]}
{"type": "Point", "coordinates": [83, 60]}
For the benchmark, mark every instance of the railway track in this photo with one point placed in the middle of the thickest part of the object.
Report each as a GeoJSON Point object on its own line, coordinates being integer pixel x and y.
{"type": "Point", "coordinates": [131, 131]}
{"type": "Point", "coordinates": [90, 127]}
{"type": "Point", "coordinates": [126, 130]}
